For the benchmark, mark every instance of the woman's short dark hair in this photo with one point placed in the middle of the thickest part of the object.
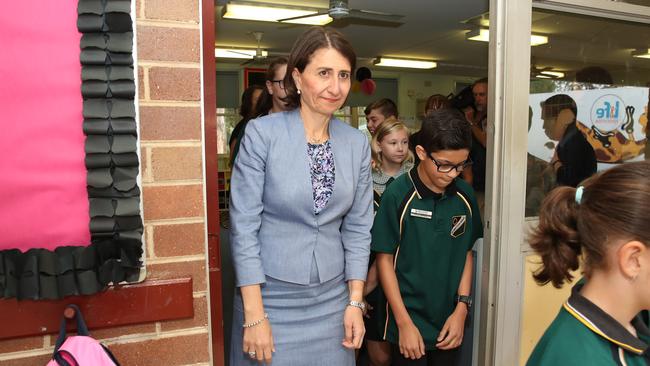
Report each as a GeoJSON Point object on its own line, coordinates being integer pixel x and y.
{"type": "Point", "coordinates": [435, 102]}
{"type": "Point", "coordinates": [247, 109]}
{"type": "Point", "coordinates": [445, 129]}
{"type": "Point", "coordinates": [386, 108]}
{"type": "Point", "coordinates": [303, 49]}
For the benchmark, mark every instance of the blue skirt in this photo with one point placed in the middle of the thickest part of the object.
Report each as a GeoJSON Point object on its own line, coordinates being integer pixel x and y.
{"type": "Point", "coordinates": [306, 321]}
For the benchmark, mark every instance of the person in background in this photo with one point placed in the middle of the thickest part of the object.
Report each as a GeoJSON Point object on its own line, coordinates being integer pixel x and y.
{"type": "Point", "coordinates": [434, 102]}
{"type": "Point", "coordinates": [540, 178]}
{"type": "Point", "coordinates": [599, 226]}
{"type": "Point", "coordinates": [301, 214]}
{"type": "Point", "coordinates": [423, 234]}
{"type": "Point", "coordinates": [464, 102]}
{"type": "Point", "coordinates": [392, 158]}
{"type": "Point", "coordinates": [574, 159]}
{"type": "Point", "coordinates": [390, 153]}
{"type": "Point", "coordinates": [271, 98]}
{"type": "Point", "coordinates": [377, 112]}
{"type": "Point", "coordinates": [594, 75]}
{"type": "Point", "coordinates": [268, 101]}
{"type": "Point", "coordinates": [480, 94]}
{"type": "Point", "coordinates": [249, 100]}
{"type": "Point", "coordinates": [479, 140]}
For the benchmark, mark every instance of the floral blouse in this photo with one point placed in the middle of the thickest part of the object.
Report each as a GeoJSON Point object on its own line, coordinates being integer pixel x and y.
{"type": "Point", "coordinates": [321, 165]}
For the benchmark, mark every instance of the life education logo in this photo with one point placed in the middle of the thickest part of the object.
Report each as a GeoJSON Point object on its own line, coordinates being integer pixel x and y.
{"type": "Point", "coordinates": [607, 112]}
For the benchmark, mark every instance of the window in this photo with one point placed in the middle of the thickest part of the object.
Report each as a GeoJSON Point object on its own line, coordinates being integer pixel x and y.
{"type": "Point", "coordinates": [227, 119]}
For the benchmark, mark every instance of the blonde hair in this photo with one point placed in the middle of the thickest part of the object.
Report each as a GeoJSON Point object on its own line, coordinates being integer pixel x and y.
{"type": "Point", "coordinates": [390, 125]}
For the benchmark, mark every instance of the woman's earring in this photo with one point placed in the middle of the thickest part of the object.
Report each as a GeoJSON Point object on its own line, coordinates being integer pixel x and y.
{"type": "Point", "coordinates": [298, 91]}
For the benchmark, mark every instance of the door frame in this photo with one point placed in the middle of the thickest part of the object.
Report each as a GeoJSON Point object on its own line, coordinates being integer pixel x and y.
{"type": "Point", "coordinates": [211, 194]}
{"type": "Point", "coordinates": [502, 270]}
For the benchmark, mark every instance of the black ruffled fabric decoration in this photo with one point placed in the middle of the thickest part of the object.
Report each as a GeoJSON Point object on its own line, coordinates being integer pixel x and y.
{"type": "Point", "coordinates": [108, 91]}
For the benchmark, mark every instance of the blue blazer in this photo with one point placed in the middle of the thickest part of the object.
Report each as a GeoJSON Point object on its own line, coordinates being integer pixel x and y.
{"type": "Point", "coordinates": [274, 231]}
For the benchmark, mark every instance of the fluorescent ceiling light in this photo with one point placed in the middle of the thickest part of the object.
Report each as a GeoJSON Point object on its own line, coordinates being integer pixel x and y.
{"type": "Point", "coordinates": [542, 76]}
{"type": "Point", "coordinates": [264, 13]}
{"type": "Point", "coordinates": [313, 20]}
{"type": "Point", "coordinates": [555, 74]}
{"type": "Point", "coordinates": [483, 35]}
{"type": "Point", "coordinates": [236, 53]}
{"type": "Point", "coordinates": [399, 62]}
{"type": "Point", "coordinates": [642, 53]}
{"type": "Point", "coordinates": [536, 39]}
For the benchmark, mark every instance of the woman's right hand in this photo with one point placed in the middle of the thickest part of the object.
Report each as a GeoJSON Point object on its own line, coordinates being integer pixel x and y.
{"type": "Point", "coordinates": [411, 344]}
{"type": "Point", "coordinates": [258, 342]}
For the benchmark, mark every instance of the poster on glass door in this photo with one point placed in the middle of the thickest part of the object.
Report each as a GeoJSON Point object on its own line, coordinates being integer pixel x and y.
{"type": "Point", "coordinates": [614, 121]}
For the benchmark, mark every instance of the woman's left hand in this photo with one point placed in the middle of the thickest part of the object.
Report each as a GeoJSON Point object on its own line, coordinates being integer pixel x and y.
{"type": "Point", "coordinates": [354, 328]}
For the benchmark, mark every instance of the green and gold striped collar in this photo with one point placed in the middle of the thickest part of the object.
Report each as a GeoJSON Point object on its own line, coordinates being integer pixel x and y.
{"type": "Point", "coordinates": [601, 323]}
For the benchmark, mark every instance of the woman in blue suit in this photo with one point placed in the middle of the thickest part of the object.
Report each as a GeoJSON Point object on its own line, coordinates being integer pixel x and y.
{"type": "Point", "coordinates": [301, 213]}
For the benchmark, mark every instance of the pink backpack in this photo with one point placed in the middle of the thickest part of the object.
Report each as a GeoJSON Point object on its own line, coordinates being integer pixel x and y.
{"type": "Point", "coordinates": [80, 350]}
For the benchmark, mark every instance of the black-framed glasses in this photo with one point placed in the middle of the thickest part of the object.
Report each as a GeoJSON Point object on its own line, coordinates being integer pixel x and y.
{"type": "Point", "coordinates": [280, 83]}
{"type": "Point", "coordinates": [446, 168]}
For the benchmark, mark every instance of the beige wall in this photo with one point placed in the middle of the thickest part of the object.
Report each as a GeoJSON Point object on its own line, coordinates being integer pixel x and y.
{"type": "Point", "coordinates": [419, 85]}
{"type": "Point", "coordinates": [168, 34]}
{"type": "Point", "coordinates": [540, 306]}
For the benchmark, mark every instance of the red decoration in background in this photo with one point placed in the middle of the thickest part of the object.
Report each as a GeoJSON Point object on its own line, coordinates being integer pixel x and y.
{"type": "Point", "coordinates": [368, 86]}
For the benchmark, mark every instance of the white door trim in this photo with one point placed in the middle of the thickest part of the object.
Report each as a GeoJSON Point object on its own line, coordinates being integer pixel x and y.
{"type": "Point", "coordinates": [599, 8]}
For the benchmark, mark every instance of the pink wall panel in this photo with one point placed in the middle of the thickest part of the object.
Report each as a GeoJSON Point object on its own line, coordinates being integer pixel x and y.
{"type": "Point", "coordinates": [43, 199]}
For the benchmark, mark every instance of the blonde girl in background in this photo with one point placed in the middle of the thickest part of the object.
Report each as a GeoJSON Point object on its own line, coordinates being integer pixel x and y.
{"type": "Point", "coordinates": [391, 158]}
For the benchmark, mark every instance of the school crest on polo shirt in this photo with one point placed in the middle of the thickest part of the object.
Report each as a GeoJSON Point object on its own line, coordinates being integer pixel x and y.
{"type": "Point", "coordinates": [458, 224]}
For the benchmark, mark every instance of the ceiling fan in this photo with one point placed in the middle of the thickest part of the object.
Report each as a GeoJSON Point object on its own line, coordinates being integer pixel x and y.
{"type": "Point", "coordinates": [340, 11]}
{"type": "Point", "coordinates": [260, 56]}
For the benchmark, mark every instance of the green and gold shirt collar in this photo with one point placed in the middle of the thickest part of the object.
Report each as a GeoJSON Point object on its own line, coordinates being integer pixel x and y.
{"type": "Point", "coordinates": [601, 323]}
{"type": "Point", "coordinates": [424, 192]}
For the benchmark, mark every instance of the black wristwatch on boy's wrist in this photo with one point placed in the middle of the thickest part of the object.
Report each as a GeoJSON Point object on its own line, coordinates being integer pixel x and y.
{"type": "Point", "coordinates": [467, 300]}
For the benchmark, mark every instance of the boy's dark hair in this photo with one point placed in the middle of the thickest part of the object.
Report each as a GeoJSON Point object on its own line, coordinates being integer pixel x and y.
{"type": "Point", "coordinates": [445, 129]}
{"type": "Point", "coordinates": [558, 102]}
{"type": "Point", "coordinates": [386, 108]}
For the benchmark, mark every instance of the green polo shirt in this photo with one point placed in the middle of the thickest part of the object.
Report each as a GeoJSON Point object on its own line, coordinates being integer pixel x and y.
{"type": "Point", "coordinates": [429, 235]}
{"type": "Point", "coordinates": [583, 334]}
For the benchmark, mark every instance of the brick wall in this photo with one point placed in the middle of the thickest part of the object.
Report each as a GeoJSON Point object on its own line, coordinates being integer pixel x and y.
{"type": "Point", "coordinates": [168, 35]}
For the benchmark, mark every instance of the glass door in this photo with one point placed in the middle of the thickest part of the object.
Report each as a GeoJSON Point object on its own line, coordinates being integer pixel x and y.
{"type": "Point", "coordinates": [592, 75]}
{"type": "Point", "coordinates": [589, 55]}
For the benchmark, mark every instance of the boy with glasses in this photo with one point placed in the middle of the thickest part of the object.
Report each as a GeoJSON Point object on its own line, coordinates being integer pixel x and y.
{"type": "Point", "coordinates": [423, 234]}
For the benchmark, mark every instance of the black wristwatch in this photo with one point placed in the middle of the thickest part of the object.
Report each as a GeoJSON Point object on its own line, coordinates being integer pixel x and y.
{"type": "Point", "coordinates": [464, 299]}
